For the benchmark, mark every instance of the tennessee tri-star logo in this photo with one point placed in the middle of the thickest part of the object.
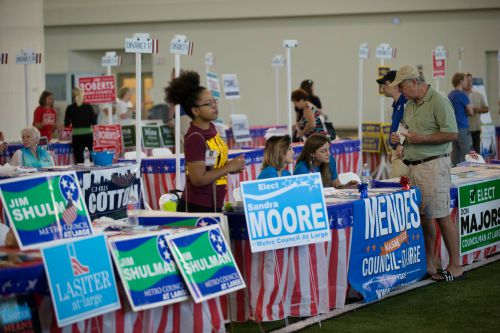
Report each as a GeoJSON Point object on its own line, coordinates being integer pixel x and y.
{"type": "Point", "coordinates": [163, 250]}
{"type": "Point", "coordinates": [217, 241]}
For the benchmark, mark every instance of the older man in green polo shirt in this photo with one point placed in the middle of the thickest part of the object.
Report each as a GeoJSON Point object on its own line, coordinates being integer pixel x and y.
{"type": "Point", "coordinates": [431, 127]}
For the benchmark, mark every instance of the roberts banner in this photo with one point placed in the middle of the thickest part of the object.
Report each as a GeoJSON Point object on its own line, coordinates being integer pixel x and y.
{"type": "Point", "coordinates": [45, 208]}
{"type": "Point", "coordinates": [388, 248]}
{"type": "Point", "coordinates": [285, 212]}
{"type": "Point", "coordinates": [107, 191]}
{"type": "Point", "coordinates": [479, 215]}
{"type": "Point", "coordinates": [148, 271]}
{"type": "Point", "coordinates": [81, 279]}
{"type": "Point", "coordinates": [206, 262]}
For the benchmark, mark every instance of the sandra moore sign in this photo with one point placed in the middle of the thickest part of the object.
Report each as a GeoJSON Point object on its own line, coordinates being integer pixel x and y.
{"type": "Point", "coordinates": [479, 215]}
{"type": "Point", "coordinates": [285, 212]}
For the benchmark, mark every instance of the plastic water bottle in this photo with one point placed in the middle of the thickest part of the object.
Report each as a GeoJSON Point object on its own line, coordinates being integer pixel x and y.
{"type": "Point", "coordinates": [133, 210]}
{"type": "Point", "coordinates": [86, 157]}
{"type": "Point", "coordinates": [366, 175]}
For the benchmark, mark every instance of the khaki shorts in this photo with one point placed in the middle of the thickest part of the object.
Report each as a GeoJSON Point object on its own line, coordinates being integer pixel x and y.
{"type": "Point", "coordinates": [434, 181]}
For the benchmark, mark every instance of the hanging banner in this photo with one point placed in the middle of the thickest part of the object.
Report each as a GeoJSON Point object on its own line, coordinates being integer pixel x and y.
{"type": "Point", "coordinates": [479, 215]}
{"type": "Point", "coordinates": [128, 135]}
{"type": "Point", "coordinates": [107, 191]}
{"type": "Point", "coordinates": [240, 128]}
{"type": "Point", "coordinates": [19, 314]}
{"type": "Point", "coordinates": [108, 137]}
{"type": "Point", "coordinates": [98, 89]}
{"type": "Point", "coordinates": [231, 86]}
{"type": "Point", "coordinates": [81, 279]}
{"type": "Point", "coordinates": [388, 249]}
{"type": "Point", "coordinates": [213, 84]}
{"type": "Point", "coordinates": [206, 262]}
{"type": "Point", "coordinates": [438, 67]}
{"type": "Point", "coordinates": [45, 208]}
{"type": "Point", "coordinates": [285, 212]}
{"type": "Point", "coordinates": [151, 137]}
{"type": "Point", "coordinates": [371, 138]}
{"type": "Point", "coordinates": [147, 269]}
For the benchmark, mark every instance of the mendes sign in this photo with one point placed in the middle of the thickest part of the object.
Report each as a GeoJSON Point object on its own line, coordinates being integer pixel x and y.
{"type": "Point", "coordinates": [479, 215]}
{"type": "Point", "coordinates": [81, 279]}
{"type": "Point", "coordinates": [206, 262]}
{"type": "Point", "coordinates": [45, 208]}
{"type": "Point", "coordinates": [388, 248]}
{"type": "Point", "coordinates": [285, 212]}
{"type": "Point", "coordinates": [148, 271]}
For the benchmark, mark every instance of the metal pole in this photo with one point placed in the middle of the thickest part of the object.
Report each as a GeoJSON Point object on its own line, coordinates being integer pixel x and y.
{"type": "Point", "coordinates": [277, 93]}
{"type": "Point", "coordinates": [382, 98]}
{"type": "Point", "coordinates": [289, 89]}
{"type": "Point", "coordinates": [138, 106]}
{"type": "Point", "coordinates": [360, 110]}
{"type": "Point", "coordinates": [26, 95]}
{"type": "Point", "coordinates": [110, 106]}
{"type": "Point", "coordinates": [177, 130]}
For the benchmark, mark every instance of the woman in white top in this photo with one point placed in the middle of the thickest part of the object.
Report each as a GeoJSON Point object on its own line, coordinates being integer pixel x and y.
{"type": "Point", "coordinates": [123, 109]}
{"type": "Point", "coordinates": [31, 155]}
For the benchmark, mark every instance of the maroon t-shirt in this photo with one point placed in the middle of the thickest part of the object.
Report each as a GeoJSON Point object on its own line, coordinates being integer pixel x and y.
{"type": "Point", "coordinates": [196, 143]}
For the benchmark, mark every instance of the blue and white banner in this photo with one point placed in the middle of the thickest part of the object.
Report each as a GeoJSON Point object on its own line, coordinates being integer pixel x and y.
{"type": "Point", "coordinates": [285, 212]}
{"type": "Point", "coordinates": [81, 279]}
{"type": "Point", "coordinates": [388, 249]}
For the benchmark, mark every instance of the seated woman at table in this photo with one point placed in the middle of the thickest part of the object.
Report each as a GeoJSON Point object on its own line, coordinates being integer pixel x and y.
{"type": "Point", "coordinates": [31, 155]}
{"type": "Point", "coordinates": [311, 121]}
{"type": "Point", "coordinates": [278, 154]}
{"type": "Point", "coordinates": [316, 157]}
{"type": "Point", "coordinates": [206, 154]}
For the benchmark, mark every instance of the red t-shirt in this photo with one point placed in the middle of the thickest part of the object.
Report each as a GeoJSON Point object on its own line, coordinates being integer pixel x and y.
{"type": "Point", "coordinates": [196, 143]}
{"type": "Point", "coordinates": [46, 116]}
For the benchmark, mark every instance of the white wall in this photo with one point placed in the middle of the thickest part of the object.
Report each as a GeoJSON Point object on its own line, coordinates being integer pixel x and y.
{"type": "Point", "coordinates": [21, 26]}
{"type": "Point", "coordinates": [327, 52]}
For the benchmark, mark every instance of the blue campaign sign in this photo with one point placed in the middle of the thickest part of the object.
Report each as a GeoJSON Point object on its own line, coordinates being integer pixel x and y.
{"type": "Point", "coordinates": [388, 249]}
{"type": "Point", "coordinates": [81, 279]}
{"type": "Point", "coordinates": [285, 212]}
{"type": "Point", "coordinates": [148, 271]}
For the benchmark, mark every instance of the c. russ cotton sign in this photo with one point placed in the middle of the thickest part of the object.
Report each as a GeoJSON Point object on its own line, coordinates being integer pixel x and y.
{"type": "Point", "coordinates": [285, 212]}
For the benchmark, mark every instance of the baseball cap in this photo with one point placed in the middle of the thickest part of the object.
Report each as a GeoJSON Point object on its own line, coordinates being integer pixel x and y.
{"type": "Point", "coordinates": [406, 72]}
{"type": "Point", "coordinates": [390, 76]}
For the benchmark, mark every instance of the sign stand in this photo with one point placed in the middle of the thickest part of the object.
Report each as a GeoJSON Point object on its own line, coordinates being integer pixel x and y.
{"type": "Point", "coordinates": [26, 57]}
{"type": "Point", "coordinates": [439, 55]}
{"type": "Point", "coordinates": [363, 53]}
{"type": "Point", "coordinates": [209, 61]}
{"type": "Point", "coordinates": [277, 62]}
{"type": "Point", "coordinates": [179, 45]}
{"type": "Point", "coordinates": [140, 43]}
{"type": "Point", "coordinates": [384, 51]}
{"type": "Point", "coordinates": [460, 56]}
{"type": "Point", "coordinates": [288, 44]}
{"type": "Point", "coordinates": [314, 285]}
{"type": "Point", "coordinates": [109, 60]}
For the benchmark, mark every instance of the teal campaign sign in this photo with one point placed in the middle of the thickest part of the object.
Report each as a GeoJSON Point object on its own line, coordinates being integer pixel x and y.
{"type": "Point", "coordinates": [45, 208]}
{"type": "Point", "coordinates": [148, 271]}
{"type": "Point", "coordinates": [206, 262]}
{"type": "Point", "coordinates": [81, 279]}
{"type": "Point", "coordinates": [388, 250]}
{"type": "Point", "coordinates": [285, 212]}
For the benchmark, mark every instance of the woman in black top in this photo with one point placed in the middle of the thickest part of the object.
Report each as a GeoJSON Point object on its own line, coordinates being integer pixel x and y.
{"type": "Point", "coordinates": [81, 117]}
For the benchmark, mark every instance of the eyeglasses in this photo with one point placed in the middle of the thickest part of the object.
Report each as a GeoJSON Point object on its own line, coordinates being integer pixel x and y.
{"type": "Point", "coordinates": [212, 103]}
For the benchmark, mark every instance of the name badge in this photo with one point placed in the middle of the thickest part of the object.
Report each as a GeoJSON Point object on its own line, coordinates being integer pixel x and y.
{"type": "Point", "coordinates": [210, 157]}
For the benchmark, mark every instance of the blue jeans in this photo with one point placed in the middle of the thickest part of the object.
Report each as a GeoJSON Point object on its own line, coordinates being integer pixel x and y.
{"type": "Point", "coordinates": [461, 147]}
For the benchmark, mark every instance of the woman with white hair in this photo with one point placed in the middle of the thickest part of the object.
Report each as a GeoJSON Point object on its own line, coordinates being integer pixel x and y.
{"type": "Point", "coordinates": [31, 155]}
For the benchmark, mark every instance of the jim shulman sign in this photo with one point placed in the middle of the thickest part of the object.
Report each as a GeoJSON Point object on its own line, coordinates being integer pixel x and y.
{"type": "Point", "coordinates": [285, 212]}
{"type": "Point", "coordinates": [479, 215]}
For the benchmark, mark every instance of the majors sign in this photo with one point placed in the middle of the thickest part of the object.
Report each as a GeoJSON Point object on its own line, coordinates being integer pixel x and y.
{"type": "Point", "coordinates": [479, 215]}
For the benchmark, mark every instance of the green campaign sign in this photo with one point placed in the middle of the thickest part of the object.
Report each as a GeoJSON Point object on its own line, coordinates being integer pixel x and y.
{"type": "Point", "coordinates": [206, 262]}
{"type": "Point", "coordinates": [479, 215]}
{"type": "Point", "coordinates": [128, 135]}
{"type": "Point", "coordinates": [44, 208]}
{"type": "Point", "coordinates": [167, 135]}
{"type": "Point", "coordinates": [151, 137]}
{"type": "Point", "coordinates": [148, 271]}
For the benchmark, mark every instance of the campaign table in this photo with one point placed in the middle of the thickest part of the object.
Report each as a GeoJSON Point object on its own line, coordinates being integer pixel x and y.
{"type": "Point", "coordinates": [158, 174]}
{"type": "Point", "coordinates": [62, 150]}
{"type": "Point", "coordinates": [468, 173]}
